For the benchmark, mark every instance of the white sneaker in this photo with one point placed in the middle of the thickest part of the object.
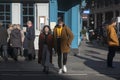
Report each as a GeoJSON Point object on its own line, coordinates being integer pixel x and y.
{"type": "Point", "coordinates": [64, 69]}
{"type": "Point", "coordinates": [60, 71]}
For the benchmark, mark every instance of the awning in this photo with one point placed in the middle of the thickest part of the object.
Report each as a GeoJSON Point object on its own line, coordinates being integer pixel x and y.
{"type": "Point", "coordinates": [64, 5]}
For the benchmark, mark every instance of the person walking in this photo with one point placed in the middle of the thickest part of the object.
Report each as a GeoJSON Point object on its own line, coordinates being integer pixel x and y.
{"type": "Point", "coordinates": [9, 30]}
{"type": "Point", "coordinates": [15, 41]}
{"type": "Point", "coordinates": [113, 42]}
{"type": "Point", "coordinates": [62, 41]}
{"type": "Point", "coordinates": [45, 48]}
{"type": "Point", "coordinates": [10, 49]}
{"type": "Point", "coordinates": [22, 39]}
{"type": "Point", "coordinates": [29, 42]}
{"type": "Point", "coordinates": [3, 42]}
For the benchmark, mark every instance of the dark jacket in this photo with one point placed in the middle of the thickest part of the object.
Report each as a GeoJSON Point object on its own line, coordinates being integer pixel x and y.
{"type": "Point", "coordinates": [3, 36]}
{"type": "Point", "coordinates": [49, 42]}
{"type": "Point", "coordinates": [15, 38]}
{"type": "Point", "coordinates": [66, 39]}
{"type": "Point", "coordinates": [30, 34]}
{"type": "Point", "coordinates": [29, 37]}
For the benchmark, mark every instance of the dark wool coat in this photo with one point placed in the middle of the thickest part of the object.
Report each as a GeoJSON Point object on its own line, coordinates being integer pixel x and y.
{"type": "Point", "coordinates": [29, 38]}
{"type": "Point", "coordinates": [15, 38]}
{"type": "Point", "coordinates": [3, 36]}
{"type": "Point", "coordinates": [49, 42]}
{"type": "Point", "coordinates": [66, 39]}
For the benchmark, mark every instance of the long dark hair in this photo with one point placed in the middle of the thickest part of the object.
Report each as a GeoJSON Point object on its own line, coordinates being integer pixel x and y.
{"type": "Point", "coordinates": [47, 27]}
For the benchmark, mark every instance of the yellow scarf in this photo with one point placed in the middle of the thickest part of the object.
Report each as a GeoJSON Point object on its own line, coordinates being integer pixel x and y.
{"type": "Point", "coordinates": [59, 31]}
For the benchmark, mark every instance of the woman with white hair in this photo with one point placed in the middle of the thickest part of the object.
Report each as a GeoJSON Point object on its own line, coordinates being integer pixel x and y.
{"type": "Point", "coordinates": [15, 41]}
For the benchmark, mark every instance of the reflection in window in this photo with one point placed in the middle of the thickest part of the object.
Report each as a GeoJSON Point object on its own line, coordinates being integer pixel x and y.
{"type": "Point", "coordinates": [8, 13]}
{"type": "Point", "coordinates": [30, 4]}
{"type": "Point", "coordinates": [24, 5]}
{"type": "Point", "coordinates": [24, 11]}
{"type": "Point", "coordinates": [8, 17]}
{"type": "Point", "coordinates": [25, 18]}
{"type": "Point", "coordinates": [31, 11]}
{"type": "Point", "coordinates": [1, 13]}
{"type": "Point", "coordinates": [1, 7]}
{"type": "Point", "coordinates": [5, 14]}
{"type": "Point", "coordinates": [7, 8]}
{"type": "Point", "coordinates": [1, 17]}
{"type": "Point", "coordinates": [31, 18]}
{"type": "Point", "coordinates": [28, 13]}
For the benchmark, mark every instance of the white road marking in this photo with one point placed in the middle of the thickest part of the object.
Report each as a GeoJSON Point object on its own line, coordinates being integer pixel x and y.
{"type": "Point", "coordinates": [43, 74]}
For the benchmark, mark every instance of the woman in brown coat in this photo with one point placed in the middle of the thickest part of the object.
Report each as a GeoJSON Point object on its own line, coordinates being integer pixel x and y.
{"type": "Point", "coordinates": [45, 48]}
{"type": "Point", "coordinates": [62, 40]}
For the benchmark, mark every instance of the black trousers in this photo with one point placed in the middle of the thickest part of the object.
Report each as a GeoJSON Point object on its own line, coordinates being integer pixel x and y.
{"type": "Point", "coordinates": [31, 50]}
{"type": "Point", "coordinates": [110, 56]}
{"type": "Point", "coordinates": [10, 50]}
{"type": "Point", "coordinates": [60, 54]}
{"type": "Point", "coordinates": [15, 52]}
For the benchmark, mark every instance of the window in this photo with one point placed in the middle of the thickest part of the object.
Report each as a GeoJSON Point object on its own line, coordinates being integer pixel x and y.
{"type": "Point", "coordinates": [5, 14]}
{"type": "Point", "coordinates": [99, 19]}
{"type": "Point", "coordinates": [109, 15]}
{"type": "Point", "coordinates": [28, 13]}
{"type": "Point", "coordinates": [109, 3]}
{"type": "Point", "coordinates": [117, 13]}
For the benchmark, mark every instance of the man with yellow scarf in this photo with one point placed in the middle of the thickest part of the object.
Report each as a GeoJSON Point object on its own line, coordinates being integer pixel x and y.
{"type": "Point", "coordinates": [63, 37]}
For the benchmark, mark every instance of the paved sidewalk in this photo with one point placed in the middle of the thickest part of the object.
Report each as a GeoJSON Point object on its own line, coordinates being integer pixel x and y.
{"type": "Point", "coordinates": [88, 64]}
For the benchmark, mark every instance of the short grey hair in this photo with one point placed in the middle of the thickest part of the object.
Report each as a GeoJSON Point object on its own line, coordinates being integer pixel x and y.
{"type": "Point", "coordinates": [29, 22]}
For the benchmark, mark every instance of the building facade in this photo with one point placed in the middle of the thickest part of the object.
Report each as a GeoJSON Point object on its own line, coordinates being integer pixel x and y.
{"type": "Point", "coordinates": [43, 12]}
{"type": "Point", "coordinates": [102, 11]}
{"type": "Point", "coordinates": [15, 12]}
{"type": "Point", "coordinates": [71, 16]}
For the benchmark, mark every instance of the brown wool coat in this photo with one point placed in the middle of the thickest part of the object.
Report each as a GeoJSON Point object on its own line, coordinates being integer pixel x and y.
{"type": "Point", "coordinates": [112, 36]}
{"type": "Point", "coordinates": [66, 39]}
{"type": "Point", "coordinates": [41, 43]}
